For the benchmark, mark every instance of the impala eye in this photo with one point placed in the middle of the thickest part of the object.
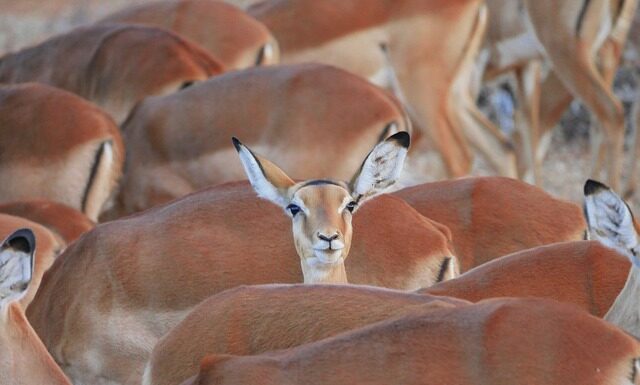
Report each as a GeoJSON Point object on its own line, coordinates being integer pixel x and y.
{"type": "Point", "coordinates": [351, 206]}
{"type": "Point", "coordinates": [293, 209]}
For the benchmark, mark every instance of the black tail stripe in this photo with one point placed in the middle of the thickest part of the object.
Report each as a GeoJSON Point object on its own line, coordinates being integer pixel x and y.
{"type": "Point", "coordinates": [581, 16]}
{"type": "Point", "coordinates": [92, 174]}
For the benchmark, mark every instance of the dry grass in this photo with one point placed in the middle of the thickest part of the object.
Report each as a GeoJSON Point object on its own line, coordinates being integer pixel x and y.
{"type": "Point", "coordinates": [27, 22]}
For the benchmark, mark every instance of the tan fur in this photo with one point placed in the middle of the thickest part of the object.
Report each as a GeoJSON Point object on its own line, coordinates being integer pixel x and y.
{"type": "Point", "coordinates": [234, 38]}
{"type": "Point", "coordinates": [349, 34]}
{"type": "Point", "coordinates": [48, 145]}
{"type": "Point", "coordinates": [584, 273]}
{"type": "Point", "coordinates": [67, 223]}
{"type": "Point", "coordinates": [176, 147]}
{"type": "Point", "coordinates": [25, 360]}
{"type": "Point", "coordinates": [148, 270]}
{"type": "Point", "coordinates": [48, 248]}
{"type": "Point", "coordinates": [112, 65]}
{"type": "Point", "coordinates": [495, 342]}
{"type": "Point", "coordinates": [256, 319]}
{"type": "Point", "coordinates": [493, 216]}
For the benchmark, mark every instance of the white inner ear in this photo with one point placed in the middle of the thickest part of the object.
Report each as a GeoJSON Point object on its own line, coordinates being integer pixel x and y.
{"type": "Point", "coordinates": [380, 170]}
{"type": "Point", "coordinates": [610, 221]}
{"type": "Point", "coordinates": [15, 275]}
{"type": "Point", "coordinates": [260, 184]}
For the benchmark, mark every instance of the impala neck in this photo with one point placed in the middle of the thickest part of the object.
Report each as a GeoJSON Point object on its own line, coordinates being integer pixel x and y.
{"type": "Point", "coordinates": [30, 362]}
{"type": "Point", "coordinates": [326, 274]}
{"type": "Point", "coordinates": [625, 311]}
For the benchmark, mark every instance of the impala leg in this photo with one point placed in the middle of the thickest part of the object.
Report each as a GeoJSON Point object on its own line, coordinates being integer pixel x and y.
{"type": "Point", "coordinates": [428, 108]}
{"type": "Point", "coordinates": [554, 100]}
{"type": "Point", "coordinates": [528, 79]}
{"type": "Point", "coordinates": [483, 135]}
{"type": "Point", "coordinates": [581, 75]}
{"type": "Point", "coordinates": [572, 37]}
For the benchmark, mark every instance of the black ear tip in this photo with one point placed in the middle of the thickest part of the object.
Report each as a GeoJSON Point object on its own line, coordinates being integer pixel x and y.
{"type": "Point", "coordinates": [22, 240]}
{"type": "Point", "coordinates": [236, 143]}
{"type": "Point", "coordinates": [591, 187]}
{"type": "Point", "coordinates": [402, 137]}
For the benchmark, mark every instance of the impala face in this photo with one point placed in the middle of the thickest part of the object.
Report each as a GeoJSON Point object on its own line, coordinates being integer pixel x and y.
{"type": "Point", "coordinates": [321, 215]}
{"type": "Point", "coordinates": [611, 221]}
{"type": "Point", "coordinates": [321, 210]}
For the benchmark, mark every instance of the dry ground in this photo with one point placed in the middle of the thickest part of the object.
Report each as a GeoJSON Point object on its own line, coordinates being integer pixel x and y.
{"type": "Point", "coordinates": [27, 22]}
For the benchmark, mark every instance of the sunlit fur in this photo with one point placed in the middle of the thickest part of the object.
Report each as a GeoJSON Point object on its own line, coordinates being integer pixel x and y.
{"type": "Point", "coordinates": [99, 294]}
{"type": "Point", "coordinates": [475, 209]}
{"type": "Point", "coordinates": [45, 157]}
{"type": "Point", "coordinates": [495, 342]}
{"type": "Point", "coordinates": [234, 38]}
{"type": "Point", "coordinates": [255, 319]}
{"type": "Point", "coordinates": [113, 65]}
{"type": "Point", "coordinates": [351, 35]}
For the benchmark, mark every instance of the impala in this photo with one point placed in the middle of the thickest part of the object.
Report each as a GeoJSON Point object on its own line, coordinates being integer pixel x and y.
{"type": "Point", "coordinates": [493, 216]}
{"type": "Point", "coordinates": [57, 146]}
{"type": "Point", "coordinates": [423, 50]}
{"type": "Point", "coordinates": [112, 65]}
{"type": "Point", "coordinates": [594, 275]}
{"type": "Point", "coordinates": [144, 273]}
{"type": "Point", "coordinates": [234, 38]}
{"type": "Point", "coordinates": [25, 360]}
{"type": "Point", "coordinates": [612, 223]}
{"type": "Point", "coordinates": [253, 320]}
{"type": "Point", "coordinates": [582, 41]}
{"type": "Point", "coordinates": [321, 209]}
{"type": "Point", "coordinates": [66, 223]}
{"type": "Point", "coordinates": [494, 342]}
{"type": "Point", "coordinates": [256, 319]}
{"type": "Point", "coordinates": [175, 146]}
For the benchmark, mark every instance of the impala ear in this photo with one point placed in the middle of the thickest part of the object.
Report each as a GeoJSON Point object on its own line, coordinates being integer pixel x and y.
{"type": "Point", "coordinates": [609, 219]}
{"type": "Point", "coordinates": [381, 168]}
{"type": "Point", "coordinates": [267, 179]}
{"type": "Point", "coordinates": [16, 265]}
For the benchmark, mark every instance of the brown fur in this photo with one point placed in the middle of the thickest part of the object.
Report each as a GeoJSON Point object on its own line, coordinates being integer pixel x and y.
{"type": "Point", "coordinates": [48, 248]}
{"type": "Point", "coordinates": [495, 342]}
{"type": "Point", "coordinates": [153, 267]}
{"type": "Point", "coordinates": [176, 147]}
{"type": "Point", "coordinates": [48, 144]}
{"type": "Point", "coordinates": [112, 65]}
{"type": "Point", "coordinates": [25, 360]}
{"type": "Point", "coordinates": [584, 273]}
{"type": "Point", "coordinates": [255, 319]}
{"type": "Point", "coordinates": [67, 223]}
{"type": "Point", "coordinates": [493, 216]}
{"type": "Point", "coordinates": [428, 43]}
{"type": "Point", "coordinates": [230, 35]}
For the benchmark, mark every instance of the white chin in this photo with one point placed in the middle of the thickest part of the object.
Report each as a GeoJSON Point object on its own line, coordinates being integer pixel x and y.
{"type": "Point", "coordinates": [327, 257]}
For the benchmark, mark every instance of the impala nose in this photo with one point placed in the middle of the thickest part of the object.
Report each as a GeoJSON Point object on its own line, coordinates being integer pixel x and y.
{"type": "Point", "coordinates": [326, 238]}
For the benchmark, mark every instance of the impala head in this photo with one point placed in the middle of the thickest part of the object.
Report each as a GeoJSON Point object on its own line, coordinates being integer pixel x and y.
{"type": "Point", "coordinates": [321, 210]}
{"type": "Point", "coordinates": [16, 266]}
{"type": "Point", "coordinates": [610, 220]}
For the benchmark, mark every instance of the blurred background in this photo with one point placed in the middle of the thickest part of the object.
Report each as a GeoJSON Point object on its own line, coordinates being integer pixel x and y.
{"type": "Point", "coordinates": [27, 22]}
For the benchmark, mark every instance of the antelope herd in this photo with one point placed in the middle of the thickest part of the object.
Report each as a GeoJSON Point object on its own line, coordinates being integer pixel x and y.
{"type": "Point", "coordinates": [134, 252]}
